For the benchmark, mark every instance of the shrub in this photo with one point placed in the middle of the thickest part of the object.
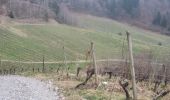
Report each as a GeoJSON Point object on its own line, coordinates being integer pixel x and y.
{"type": "Point", "coordinates": [160, 43]}
{"type": "Point", "coordinates": [11, 14]}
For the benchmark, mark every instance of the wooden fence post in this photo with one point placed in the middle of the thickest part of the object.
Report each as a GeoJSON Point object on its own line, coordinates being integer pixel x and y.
{"type": "Point", "coordinates": [164, 74]}
{"type": "Point", "coordinates": [94, 63]}
{"type": "Point", "coordinates": [132, 65]}
{"type": "Point", "coordinates": [10, 71]}
{"type": "Point", "coordinates": [0, 62]}
{"type": "Point", "coordinates": [19, 61]}
{"type": "Point", "coordinates": [22, 69]}
{"type": "Point", "coordinates": [43, 69]}
{"type": "Point", "coordinates": [33, 69]}
{"type": "Point", "coordinates": [65, 61]}
{"type": "Point", "coordinates": [14, 70]}
{"type": "Point", "coordinates": [38, 69]}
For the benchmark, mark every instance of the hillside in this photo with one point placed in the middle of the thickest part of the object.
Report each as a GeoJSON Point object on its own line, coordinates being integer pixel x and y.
{"type": "Point", "coordinates": [79, 49]}
{"type": "Point", "coordinates": [29, 42]}
{"type": "Point", "coordinates": [148, 14]}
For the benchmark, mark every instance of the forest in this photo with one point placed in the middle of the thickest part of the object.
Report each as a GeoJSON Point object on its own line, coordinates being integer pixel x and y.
{"type": "Point", "coordinates": [151, 15]}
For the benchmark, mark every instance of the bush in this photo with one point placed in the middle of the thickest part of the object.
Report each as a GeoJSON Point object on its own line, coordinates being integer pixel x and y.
{"type": "Point", "coordinates": [11, 14]}
{"type": "Point", "coordinates": [160, 43]}
{"type": "Point", "coordinates": [119, 34]}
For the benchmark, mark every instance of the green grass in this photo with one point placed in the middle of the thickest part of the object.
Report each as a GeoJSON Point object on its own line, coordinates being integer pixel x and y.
{"type": "Point", "coordinates": [31, 42]}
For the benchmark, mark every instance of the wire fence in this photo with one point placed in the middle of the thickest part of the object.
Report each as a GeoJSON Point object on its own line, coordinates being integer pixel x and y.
{"type": "Point", "coordinates": [23, 58]}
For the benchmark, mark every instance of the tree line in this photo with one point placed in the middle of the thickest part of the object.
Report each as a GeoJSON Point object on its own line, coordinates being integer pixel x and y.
{"type": "Point", "coordinates": [61, 10]}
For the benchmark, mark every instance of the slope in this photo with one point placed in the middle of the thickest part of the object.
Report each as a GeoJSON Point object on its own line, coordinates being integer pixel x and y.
{"type": "Point", "coordinates": [30, 42]}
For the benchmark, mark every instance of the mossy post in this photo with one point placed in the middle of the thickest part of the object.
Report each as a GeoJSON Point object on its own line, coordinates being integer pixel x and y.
{"type": "Point", "coordinates": [129, 39]}
{"type": "Point", "coordinates": [94, 63]}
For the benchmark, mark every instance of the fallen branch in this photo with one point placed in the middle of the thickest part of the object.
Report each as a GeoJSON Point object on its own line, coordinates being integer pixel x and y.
{"type": "Point", "coordinates": [161, 94]}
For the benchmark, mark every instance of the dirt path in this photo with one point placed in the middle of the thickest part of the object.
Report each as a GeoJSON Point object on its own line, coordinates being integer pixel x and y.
{"type": "Point", "coordinates": [22, 88]}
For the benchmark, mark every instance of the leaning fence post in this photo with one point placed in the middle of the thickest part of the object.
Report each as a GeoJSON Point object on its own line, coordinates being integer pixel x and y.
{"type": "Point", "coordinates": [132, 65]}
{"type": "Point", "coordinates": [94, 63]}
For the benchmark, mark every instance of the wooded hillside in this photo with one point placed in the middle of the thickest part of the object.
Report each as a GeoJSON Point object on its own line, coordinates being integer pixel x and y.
{"type": "Point", "coordinates": [150, 14]}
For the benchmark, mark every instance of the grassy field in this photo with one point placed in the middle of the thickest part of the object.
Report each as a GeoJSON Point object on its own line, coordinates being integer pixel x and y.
{"type": "Point", "coordinates": [29, 42]}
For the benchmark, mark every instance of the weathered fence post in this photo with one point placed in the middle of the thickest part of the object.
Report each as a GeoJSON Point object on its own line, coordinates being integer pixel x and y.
{"type": "Point", "coordinates": [0, 62]}
{"type": "Point", "coordinates": [94, 63]}
{"type": "Point", "coordinates": [0, 65]}
{"type": "Point", "coordinates": [33, 69]}
{"type": "Point", "coordinates": [10, 71]}
{"type": "Point", "coordinates": [14, 70]}
{"type": "Point", "coordinates": [65, 61]}
{"type": "Point", "coordinates": [19, 61]}
{"type": "Point", "coordinates": [132, 65]}
{"type": "Point", "coordinates": [38, 69]}
{"type": "Point", "coordinates": [164, 74]}
{"type": "Point", "coordinates": [22, 69]}
{"type": "Point", "coordinates": [43, 69]}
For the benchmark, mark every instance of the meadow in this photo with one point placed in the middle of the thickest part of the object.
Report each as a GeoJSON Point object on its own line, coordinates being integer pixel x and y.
{"type": "Point", "coordinates": [30, 42]}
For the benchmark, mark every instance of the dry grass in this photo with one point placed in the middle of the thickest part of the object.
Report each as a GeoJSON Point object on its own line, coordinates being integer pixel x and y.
{"type": "Point", "coordinates": [109, 91]}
